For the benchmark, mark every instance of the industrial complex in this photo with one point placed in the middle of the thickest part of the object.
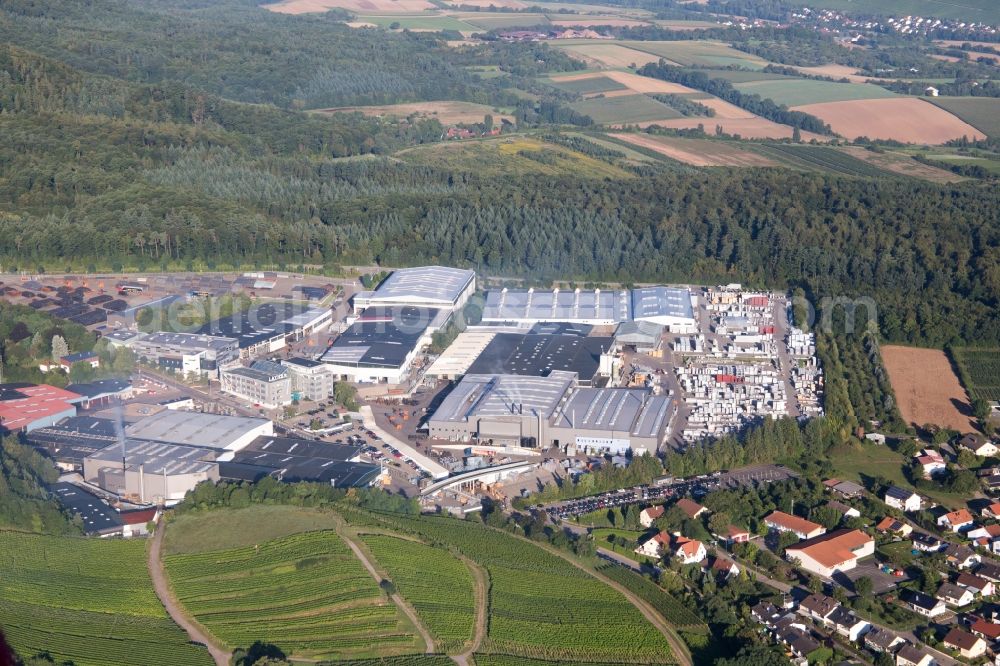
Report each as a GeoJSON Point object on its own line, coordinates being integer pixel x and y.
{"type": "Point", "coordinates": [440, 393]}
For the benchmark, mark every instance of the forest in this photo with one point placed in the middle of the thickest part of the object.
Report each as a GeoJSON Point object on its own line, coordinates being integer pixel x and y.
{"type": "Point", "coordinates": [128, 166]}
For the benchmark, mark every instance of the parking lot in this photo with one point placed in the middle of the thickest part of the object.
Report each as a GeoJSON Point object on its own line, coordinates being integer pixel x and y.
{"type": "Point", "coordinates": [881, 582]}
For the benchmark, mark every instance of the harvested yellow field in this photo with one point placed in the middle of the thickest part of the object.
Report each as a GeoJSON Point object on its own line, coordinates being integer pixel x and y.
{"type": "Point", "coordinates": [360, 6]}
{"type": "Point", "coordinates": [927, 389]}
{"type": "Point", "coordinates": [486, 4]}
{"type": "Point", "coordinates": [593, 21]}
{"type": "Point", "coordinates": [906, 119]}
{"type": "Point", "coordinates": [724, 109]}
{"type": "Point", "coordinates": [609, 55]}
{"type": "Point", "coordinates": [448, 113]}
{"type": "Point", "coordinates": [697, 152]}
{"type": "Point", "coordinates": [835, 71]}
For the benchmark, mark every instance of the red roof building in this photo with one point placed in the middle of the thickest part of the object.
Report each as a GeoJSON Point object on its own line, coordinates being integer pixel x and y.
{"type": "Point", "coordinates": [25, 407]}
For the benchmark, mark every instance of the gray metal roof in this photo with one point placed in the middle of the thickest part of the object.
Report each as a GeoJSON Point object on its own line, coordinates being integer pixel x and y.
{"type": "Point", "coordinates": [192, 341]}
{"type": "Point", "coordinates": [601, 409]}
{"type": "Point", "coordinates": [649, 302]}
{"type": "Point", "coordinates": [158, 457]}
{"type": "Point", "coordinates": [638, 331]}
{"type": "Point", "coordinates": [637, 411]}
{"type": "Point", "coordinates": [194, 428]}
{"type": "Point", "coordinates": [536, 305]}
{"type": "Point", "coordinates": [500, 395]}
{"type": "Point", "coordinates": [437, 284]}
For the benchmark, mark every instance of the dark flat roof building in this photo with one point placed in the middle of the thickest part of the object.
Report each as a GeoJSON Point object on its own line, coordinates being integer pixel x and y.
{"type": "Point", "coordinates": [292, 459]}
{"type": "Point", "coordinates": [538, 355]}
{"type": "Point", "coordinates": [97, 516]}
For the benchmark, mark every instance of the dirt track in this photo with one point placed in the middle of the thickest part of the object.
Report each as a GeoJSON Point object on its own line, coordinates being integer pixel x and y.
{"type": "Point", "coordinates": [174, 610]}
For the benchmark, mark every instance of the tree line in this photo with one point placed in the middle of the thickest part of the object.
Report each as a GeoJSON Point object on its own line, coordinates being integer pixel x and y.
{"type": "Point", "coordinates": [724, 89]}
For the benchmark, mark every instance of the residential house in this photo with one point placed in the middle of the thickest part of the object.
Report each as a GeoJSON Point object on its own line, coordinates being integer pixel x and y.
{"type": "Point", "coordinates": [688, 551]}
{"type": "Point", "coordinates": [798, 641]}
{"type": "Point", "coordinates": [987, 537]}
{"type": "Point", "coordinates": [989, 570]}
{"type": "Point", "coordinates": [844, 510]}
{"type": "Point", "coordinates": [690, 508]}
{"type": "Point", "coordinates": [922, 604]}
{"type": "Point", "coordinates": [655, 546]}
{"type": "Point", "coordinates": [985, 629]}
{"type": "Point", "coordinates": [847, 488]}
{"type": "Point", "coordinates": [767, 614]}
{"type": "Point", "coordinates": [736, 535]}
{"type": "Point", "coordinates": [978, 585]}
{"type": "Point", "coordinates": [786, 522]}
{"type": "Point", "coordinates": [894, 526]}
{"type": "Point", "coordinates": [961, 557]}
{"type": "Point", "coordinates": [956, 521]}
{"type": "Point", "coordinates": [880, 639]}
{"type": "Point", "coordinates": [931, 463]}
{"type": "Point", "coordinates": [648, 515]}
{"type": "Point", "coordinates": [725, 568]}
{"type": "Point", "coordinates": [992, 511]}
{"type": "Point", "coordinates": [968, 645]}
{"type": "Point", "coordinates": [978, 445]}
{"type": "Point", "coordinates": [88, 357]}
{"type": "Point", "coordinates": [927, 543]}
{"type": "Point", "coordinates": [910, 655]}
{"type": "Point", "coordinates": [900, 498]}
{"type": "Point", "coordinates": [839, 550]}
{"type": "Point", "coordinates": [955, 595]}
{"type": "Point", "coordinates": [818, 607]}
{"type": "Point", "coordinates": [847, 624]}
{"type": "Point", "coordinates": [992, 482]}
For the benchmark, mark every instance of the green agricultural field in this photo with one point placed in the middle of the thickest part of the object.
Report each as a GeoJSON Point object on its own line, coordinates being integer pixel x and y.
{"type": "Point", "coordinates": [402, 660]}
{"type": "Point", "coordinates": [819, 158]}
{"type": "Point", "coordinates": [436, 583]}
{"type": "Point", "coordinates": [624, 109]}
{"type": "Point", "coordinates": [985, 11]}
{"type": "Point", "coordinates": [231, 528]}
{"type": "Point", "coordinates": [88, 601]}
{"type": "Point", "coordinates": [991, 164]}
{"type": "Point", "coordinates": [979, 370]}
{"type": "Point", "coordinates": [541, 606]}
{"type": "Point", "coordinates": [510, 660]}
{"type": "Point", "coordinates": [597, 84]}
{"type": "Point", "coordinates": [412, 22]}
{"type": "Point", "coordinates": [500, 21]}
{"type": "Point", "coordinates": [671, 608]}
{"type": "Point", "coordinates": [796, 92]}
{"type": "Point", "coordinates": [742, 76]}
{"type": "Point", "coordinates": [305, 593]}
{"type": "Point", "coordinates": [983, 113]}
{"type": "Point", "coordinates": [701, 53]}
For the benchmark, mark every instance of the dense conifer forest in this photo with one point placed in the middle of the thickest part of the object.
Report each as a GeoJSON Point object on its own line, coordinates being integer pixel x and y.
{"type": "Point", "coordinates": [127, 149]}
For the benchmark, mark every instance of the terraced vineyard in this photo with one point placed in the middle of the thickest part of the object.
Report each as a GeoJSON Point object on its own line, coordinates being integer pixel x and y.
{"type": "Point", "coordinates": [671, 608]}
{"type": "Point", "coordinates": [819, 158]}
{"type": "Point", "coordinates": [542, 607]}
{"type": "Point", "coordinates": [980, 371]}
{"type": "Point", "coordinates": [91, 602]}
{"type": "Point", "coordinates": [305, 593]}
{"type": "Point", "coordinates": [436, 583]}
